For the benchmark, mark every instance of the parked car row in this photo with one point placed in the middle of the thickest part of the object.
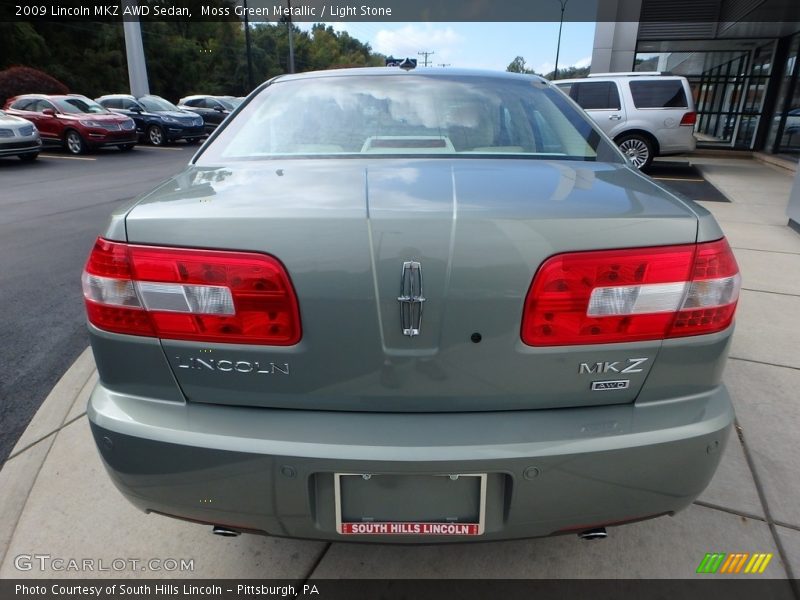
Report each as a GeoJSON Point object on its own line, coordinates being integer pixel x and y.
{"type": "Point", "coordinates": [80, 124]}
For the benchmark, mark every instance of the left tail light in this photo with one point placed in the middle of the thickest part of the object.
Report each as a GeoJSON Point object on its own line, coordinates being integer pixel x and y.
{"type": "Point", "coordinates": [190, 294]}
{"type": "Point", "coordinates": [689, 118]}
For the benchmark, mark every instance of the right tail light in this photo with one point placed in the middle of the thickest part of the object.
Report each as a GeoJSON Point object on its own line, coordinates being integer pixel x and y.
{"type": "Point", "coordinates": [607, 296]}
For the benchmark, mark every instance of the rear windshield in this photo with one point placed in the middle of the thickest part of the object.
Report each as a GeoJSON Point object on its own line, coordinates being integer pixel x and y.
{"type": "Point", "coordinates": [409, 115]}
{"type": "Point", "coordinates": [668, 93]}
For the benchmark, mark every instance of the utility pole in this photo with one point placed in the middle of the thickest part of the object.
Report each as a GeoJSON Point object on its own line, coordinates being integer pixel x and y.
{"type": "Point", "coordinates": [250, 79]}
{"type": "Point", "coordinates": [426, 55]}
{"type": "Point", "coordinates": [137, 67]}
{"type": "Point", "coordinates": [291, 36]}
{"type": "Point", "coordinates": [563, 4]}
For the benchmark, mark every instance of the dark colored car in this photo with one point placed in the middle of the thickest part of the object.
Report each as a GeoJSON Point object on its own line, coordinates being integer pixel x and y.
{"type": "Point", "coordinates": [158, 121]}
{"type": "Point", "coordinates": [213, 109]}
{"type": "Point", "coordinates": [75, 122]}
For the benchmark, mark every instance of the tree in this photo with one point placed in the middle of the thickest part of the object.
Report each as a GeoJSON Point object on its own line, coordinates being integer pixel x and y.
{"type": "Point", "coordinates": [24, 80]}
{"type": "Point", "coordinates": [518, 66]}
{"type": "Point", "coordinates": [186, 57]}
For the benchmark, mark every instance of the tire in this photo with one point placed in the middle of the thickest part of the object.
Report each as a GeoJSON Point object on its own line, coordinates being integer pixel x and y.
{"type": "Point", "coordinates": [638, 148]}
{"type": "Point", "coordinates": [155, 136]}
{"type": "Point", "coordinates": [28, 157]}
{"type": "Point", "coordinates": [126, 147]}
{"type": "Point", "coordinates": [193, 141]}
{"type": "Point", "coordinates": [74, 142]}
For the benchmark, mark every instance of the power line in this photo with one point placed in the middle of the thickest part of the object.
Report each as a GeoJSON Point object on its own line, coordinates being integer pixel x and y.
{"type": "Point", "coordinates": [426, 54]}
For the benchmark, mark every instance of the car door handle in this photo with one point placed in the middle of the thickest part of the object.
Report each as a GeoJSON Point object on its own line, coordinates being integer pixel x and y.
{"type": "Point", "coordinates": [614, 117]}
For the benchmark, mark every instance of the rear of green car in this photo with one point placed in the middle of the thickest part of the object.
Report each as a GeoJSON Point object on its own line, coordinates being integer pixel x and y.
{"type": "Point", "coordinates": [395, 306]}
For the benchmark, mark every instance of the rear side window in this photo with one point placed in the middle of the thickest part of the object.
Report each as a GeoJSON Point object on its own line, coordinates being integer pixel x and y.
{"type": "Point", "coordinates": [112, 103]}
{"type": "Point", "coordinates": [596, 95]}
{"type": "Point", "coordinates": [24, 104]}
{"type": "Point", "coordinates": [658, 94]}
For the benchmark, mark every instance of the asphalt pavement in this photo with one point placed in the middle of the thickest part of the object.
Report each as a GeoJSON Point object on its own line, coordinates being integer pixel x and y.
{"type": "Point", "coordinates": [51, 211]}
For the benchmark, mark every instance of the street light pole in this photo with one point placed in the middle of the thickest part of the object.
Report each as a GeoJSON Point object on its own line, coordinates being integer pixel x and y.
{"type": "Point", "coordinates": [250, 79]}
{"type": "Point", "coordinates": [291, 37]}
{"type": "Point", "coordinates": [563, 4]}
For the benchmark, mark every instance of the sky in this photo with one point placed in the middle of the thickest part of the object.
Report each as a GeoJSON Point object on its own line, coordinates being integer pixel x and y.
{"type": "Point", "coordinates": [478, 45]}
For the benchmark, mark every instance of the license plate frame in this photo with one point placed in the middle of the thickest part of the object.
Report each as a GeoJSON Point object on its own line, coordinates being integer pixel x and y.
{"type": "Point", "coordinates": [423, 528]}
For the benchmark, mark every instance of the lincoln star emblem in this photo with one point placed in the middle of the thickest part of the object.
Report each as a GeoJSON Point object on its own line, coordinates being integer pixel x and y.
{"type": "Point", "coordinates": [411, 298]}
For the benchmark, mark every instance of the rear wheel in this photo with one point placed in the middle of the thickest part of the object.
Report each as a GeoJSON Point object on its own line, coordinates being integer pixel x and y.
{"type": "Point", "coordinates": [29, 157]}
{"type": "Point", "coordinates": [638, 149]}
{"type": "Point", "coordinates": [74, 142]}
{"type": "Point", "coordinates": [155, 135]}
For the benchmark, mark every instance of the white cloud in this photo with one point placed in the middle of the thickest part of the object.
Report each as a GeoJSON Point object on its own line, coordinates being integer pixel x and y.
{"type": "Point", "coordinates": [547, 67]}
{"type": "Point", "coordinates": [410, 39]}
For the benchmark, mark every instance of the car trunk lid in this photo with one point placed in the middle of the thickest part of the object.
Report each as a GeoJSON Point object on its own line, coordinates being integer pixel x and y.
{"type": "Point", "coordinates": [359, 236]}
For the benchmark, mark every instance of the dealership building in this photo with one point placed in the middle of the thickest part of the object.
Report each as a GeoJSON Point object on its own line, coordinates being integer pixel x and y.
{"type": "Point", "coordinates": [740, 57]}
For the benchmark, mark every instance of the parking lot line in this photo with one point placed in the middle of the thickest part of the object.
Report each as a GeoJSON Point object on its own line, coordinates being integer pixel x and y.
{"type": "Point", "coordinates": [159, 148]}
{"type": "Point", "coordinates": [66, 157]}
{"type": "Point", "coordinates": [678, 179]}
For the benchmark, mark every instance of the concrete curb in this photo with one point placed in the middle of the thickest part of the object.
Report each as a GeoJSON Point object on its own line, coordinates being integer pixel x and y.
{"type": "Point", "coordinates": [22, 467]}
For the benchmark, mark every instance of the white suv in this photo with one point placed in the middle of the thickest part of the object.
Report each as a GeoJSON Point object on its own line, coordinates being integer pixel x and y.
{"type": "Point", "coordinates": [646, 114]}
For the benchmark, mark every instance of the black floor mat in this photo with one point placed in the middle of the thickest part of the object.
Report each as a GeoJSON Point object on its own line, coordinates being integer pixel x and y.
{"type": "Point", "coordinates": [686, 179]}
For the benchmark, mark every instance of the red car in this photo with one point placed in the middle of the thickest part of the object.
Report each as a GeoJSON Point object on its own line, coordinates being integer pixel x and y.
{"type": "Point", "coordinates": [74, 122]}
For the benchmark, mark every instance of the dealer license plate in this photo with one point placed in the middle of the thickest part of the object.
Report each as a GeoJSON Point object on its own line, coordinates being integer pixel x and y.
{"type": "Point", "coordinates": [391, 504]}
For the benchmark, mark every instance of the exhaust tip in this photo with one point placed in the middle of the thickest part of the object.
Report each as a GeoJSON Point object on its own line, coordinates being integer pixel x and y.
{"type": "Point", "coordinates": [225, 532]}
{"type": "Point", "coordinates": [599, 533]}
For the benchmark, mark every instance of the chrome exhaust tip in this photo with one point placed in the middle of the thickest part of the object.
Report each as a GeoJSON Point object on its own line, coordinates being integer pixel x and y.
{"type": "Point", "coordinates": [598, 533]}
{"type": "Point", "coordinates": [225, 532]}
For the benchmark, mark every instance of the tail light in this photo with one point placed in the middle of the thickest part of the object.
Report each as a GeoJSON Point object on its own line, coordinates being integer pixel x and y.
{"type": "Point", "coordinates": [187, 294]}
{"type": "Point", "coordinates": [631, 295]}
{"type": "Point", "coordinates": [689, 118]}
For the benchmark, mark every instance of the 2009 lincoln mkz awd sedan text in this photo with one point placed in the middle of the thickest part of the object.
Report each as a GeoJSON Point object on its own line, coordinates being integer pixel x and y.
{"type": "Point", "coordinates": [410, 305]}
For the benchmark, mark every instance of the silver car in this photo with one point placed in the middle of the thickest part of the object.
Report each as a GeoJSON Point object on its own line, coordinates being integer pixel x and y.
{"type": "Point", "coordinates": [646, 114]}
{"type": "Point", "coordinates": [410, 305]}
{"type": "Point", "coordinates": [18, 137]}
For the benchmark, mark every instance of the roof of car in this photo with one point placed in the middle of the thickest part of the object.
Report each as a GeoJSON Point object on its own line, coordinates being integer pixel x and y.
{"type": "Point", "coordinates": [599, 77]}
{"type": "Point", "coordinates": [47, 96]}
{"type": "Point", "coordinates": [400, 72]}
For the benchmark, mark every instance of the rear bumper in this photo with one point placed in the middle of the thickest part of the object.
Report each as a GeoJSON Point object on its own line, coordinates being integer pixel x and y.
{"type": "Point", "coordinates": [272, 470]}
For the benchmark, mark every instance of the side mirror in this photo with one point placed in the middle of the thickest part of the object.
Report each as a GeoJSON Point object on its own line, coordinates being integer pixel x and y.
{"type": "Point", "coordinates": [135, 109]}
{"type": "Point", "coordinates": [49, 112]}
{"type": "Point", "coordinates": [219, 109]}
